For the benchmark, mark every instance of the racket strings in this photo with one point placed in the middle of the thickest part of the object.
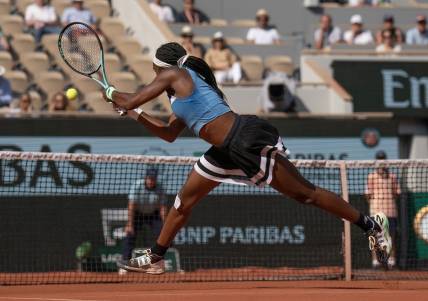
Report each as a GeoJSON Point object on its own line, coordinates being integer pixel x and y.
{"type": "Point", "coordinates": [81, 48]}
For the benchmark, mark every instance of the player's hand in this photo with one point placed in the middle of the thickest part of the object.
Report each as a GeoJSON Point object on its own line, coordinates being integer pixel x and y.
{"type": "Point", "coordinates": [129, 229]}
{"type": "Point", "coordinates": [118, 109]}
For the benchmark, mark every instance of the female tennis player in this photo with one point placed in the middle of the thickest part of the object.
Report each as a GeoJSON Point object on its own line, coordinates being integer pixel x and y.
{"type": "Point", "coordinates": [245, 150]}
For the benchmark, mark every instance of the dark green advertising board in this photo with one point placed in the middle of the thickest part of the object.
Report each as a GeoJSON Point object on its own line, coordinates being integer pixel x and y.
{"type": "Point", "coordinates": [418, 218]}
{"type": "Point", "coordinates": [376, 86]}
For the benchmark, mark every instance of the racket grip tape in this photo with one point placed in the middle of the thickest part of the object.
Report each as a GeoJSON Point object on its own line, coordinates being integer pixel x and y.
{"type": "Point", "coordinates": [109, 92]}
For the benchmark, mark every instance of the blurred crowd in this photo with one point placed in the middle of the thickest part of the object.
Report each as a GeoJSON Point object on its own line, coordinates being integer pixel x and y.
{"type": "Point", "coordinates": [388, 38]}
{"type": "Point", "coordinates": [42, 19]}
{"type": "Point", "coordinates": [356, 3]}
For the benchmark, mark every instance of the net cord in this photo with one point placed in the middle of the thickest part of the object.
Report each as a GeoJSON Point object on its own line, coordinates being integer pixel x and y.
{"type": "Point", "coordinates": [34, 156]}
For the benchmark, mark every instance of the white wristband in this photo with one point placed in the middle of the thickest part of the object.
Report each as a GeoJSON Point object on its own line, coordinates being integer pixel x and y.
{"type": "Point", "coordinates": [138, 111]}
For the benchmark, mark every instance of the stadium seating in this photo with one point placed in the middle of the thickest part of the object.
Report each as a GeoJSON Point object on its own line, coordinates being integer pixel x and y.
{"type": "Point", "coordinates": [4, 7]}
{"type": "Point", "coordinates": [124, 81]}
{"type": "Point", "coordinates": [218, 22]}
{"type": "Point", "coordinates": [253, 67]}
{"type": "Point", "coordinates": [94, 103]}
{"type": "Point", "coordinates": [100, 8]}
{"type": "Point", "coordinates": [18, 81]}
{"type": "Point", "coordinates": [6, 60]}
{"type": "Point", "coordinates": [112, 28]}
{"type": "Point", "coordinates": [60, 5]}
{"type": "Point", "coordinates": [128, 46]}
{"type": "Point", "coordinates": [84, 84]}
{"type": "Point", "coordinates": [244, 23]}
{"type": "Point", "coordinates": [35, 62]}
{"type": "Point", "coordinates": [21, 5]}
{"type": "Point", "coordinates": [11, 24]}
{"type": "Point", "coordinates": [50, 82]}
{"type": "Point", "coordinates": [23, 43]}
{"type": "Point", "coordinates": [124, 52]}
{"type": "Point", "coordinates": [280, 63]}
{"type": "Point", "coordinates": [142, 66]}
{"type": "Point", "coordinates": [50, 44]}
{"type": "Point", "coordinates": [112, 63]}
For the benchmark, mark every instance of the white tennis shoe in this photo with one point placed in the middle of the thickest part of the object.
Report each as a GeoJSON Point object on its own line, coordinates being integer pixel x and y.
{"type": "Point", "coordinates": [147, 263]}
{"type": "Point", "coordinates": [380, 239]}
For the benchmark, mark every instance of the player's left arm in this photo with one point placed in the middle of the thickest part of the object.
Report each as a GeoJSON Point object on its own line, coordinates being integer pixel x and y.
{"type": "Point", "coordinates": [167, 131]}
{"type": "Point", "coordinates": [130, 101]}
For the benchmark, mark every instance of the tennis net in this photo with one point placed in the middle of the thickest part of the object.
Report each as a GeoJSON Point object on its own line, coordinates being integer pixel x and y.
{"type": "Point", "coordinates": [64, 220]}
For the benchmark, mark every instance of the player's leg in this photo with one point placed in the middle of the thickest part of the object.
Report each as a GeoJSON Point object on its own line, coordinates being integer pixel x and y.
{"type": "Point", "coordinates": [195, 188]}
{"type": "Point", "coordinates": [288, 180]}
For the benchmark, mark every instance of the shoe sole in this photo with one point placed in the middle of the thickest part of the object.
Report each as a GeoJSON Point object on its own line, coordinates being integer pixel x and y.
{"type": "Point", "coordinates": [137, 270]}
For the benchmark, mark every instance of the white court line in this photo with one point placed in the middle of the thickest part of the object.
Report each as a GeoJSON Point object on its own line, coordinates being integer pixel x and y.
{"type": "Point", "coordinates": [46, 299]}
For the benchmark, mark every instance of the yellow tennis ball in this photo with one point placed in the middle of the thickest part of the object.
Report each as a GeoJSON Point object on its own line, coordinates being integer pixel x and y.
{"type": "Point", "coordinates": [71, 94]}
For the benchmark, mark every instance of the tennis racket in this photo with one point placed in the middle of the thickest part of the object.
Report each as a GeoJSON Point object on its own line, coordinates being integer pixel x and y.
{"type": "Point", "coordinates": [82, 50]}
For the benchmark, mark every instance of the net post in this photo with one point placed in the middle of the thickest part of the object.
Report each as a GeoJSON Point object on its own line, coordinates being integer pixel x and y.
{"type": "Point", "coordinates": [347, 225]}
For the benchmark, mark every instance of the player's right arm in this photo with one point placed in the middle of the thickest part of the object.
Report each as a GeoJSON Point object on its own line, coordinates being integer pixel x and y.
{"type": "Point", "coordinates": [167, 131]}
{"type": "Point", "coordinates": [130, 101]}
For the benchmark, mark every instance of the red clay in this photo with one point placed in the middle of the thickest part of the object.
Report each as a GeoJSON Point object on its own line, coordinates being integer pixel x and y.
{"type": "Point", "coordinates": [223, 291]}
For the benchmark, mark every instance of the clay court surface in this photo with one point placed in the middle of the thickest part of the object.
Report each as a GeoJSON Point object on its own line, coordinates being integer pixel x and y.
{"type": "Point", "coordinates": [221, 291]}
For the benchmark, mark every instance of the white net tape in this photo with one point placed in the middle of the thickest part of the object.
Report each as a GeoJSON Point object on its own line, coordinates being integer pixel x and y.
{"type": "Point", "coordinates": [34, 156]}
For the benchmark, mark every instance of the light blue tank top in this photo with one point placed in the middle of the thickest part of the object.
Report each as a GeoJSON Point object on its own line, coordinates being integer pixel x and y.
{"type": "Point", "coordinates": [202, 106]}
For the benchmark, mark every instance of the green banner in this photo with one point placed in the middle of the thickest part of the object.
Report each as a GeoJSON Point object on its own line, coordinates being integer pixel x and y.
{"type": "Point", "coordinates": [419, 219]}
{"type": "Point", "coordinates": [376, 86]}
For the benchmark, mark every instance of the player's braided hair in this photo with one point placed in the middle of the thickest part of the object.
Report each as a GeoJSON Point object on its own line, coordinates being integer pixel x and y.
{"type": "Point", "coordinates": [170, 53]}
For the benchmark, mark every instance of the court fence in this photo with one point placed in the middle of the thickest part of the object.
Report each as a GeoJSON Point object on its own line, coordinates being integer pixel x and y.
{"type": "Point", "coordinates": [63, 219]}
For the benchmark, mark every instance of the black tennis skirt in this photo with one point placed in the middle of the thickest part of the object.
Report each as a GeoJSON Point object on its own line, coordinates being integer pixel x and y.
{"type": "Point", "coordinates": [247, 155]}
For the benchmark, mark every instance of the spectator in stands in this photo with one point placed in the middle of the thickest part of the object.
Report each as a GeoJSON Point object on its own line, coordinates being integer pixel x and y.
{"type": "Point", "coordinates": [223, 61]}
{"type": "Point", "coordinates": [389, 43]}
{"type": "Point", "coordinates": [357, 35]}
{"type": "Point", "coordinates": [5, 89]}
{"type": "Point", "coordinates": [191, 47]}
{"type": "Point", "coordinates": [41, 18]}
{"type": "Point", "coordinates": [382, 191]}
{"type": "Point", "coordinates": [24, 104]}
{"type": "Point", "coordinates": [164, 12]}
{"type": "Point", "coordinates": [77, 13]}
{"type": "Point", "coordinates": [4, 44]}
{"type": "Point", "coordinates": [192, 15]}
{"type": "Point", "coordinates": [327, 34]}
{"type": "Point", "coordinates": [388, 25]}
{"type": "Point", "coordinates": [59, 102]}
{"type": "Point", "coordinates": [146, 206]}
{"type": "Point", "coordinates": [419, 34]}
{"type": "Point", "coordinates": [263, 34]}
